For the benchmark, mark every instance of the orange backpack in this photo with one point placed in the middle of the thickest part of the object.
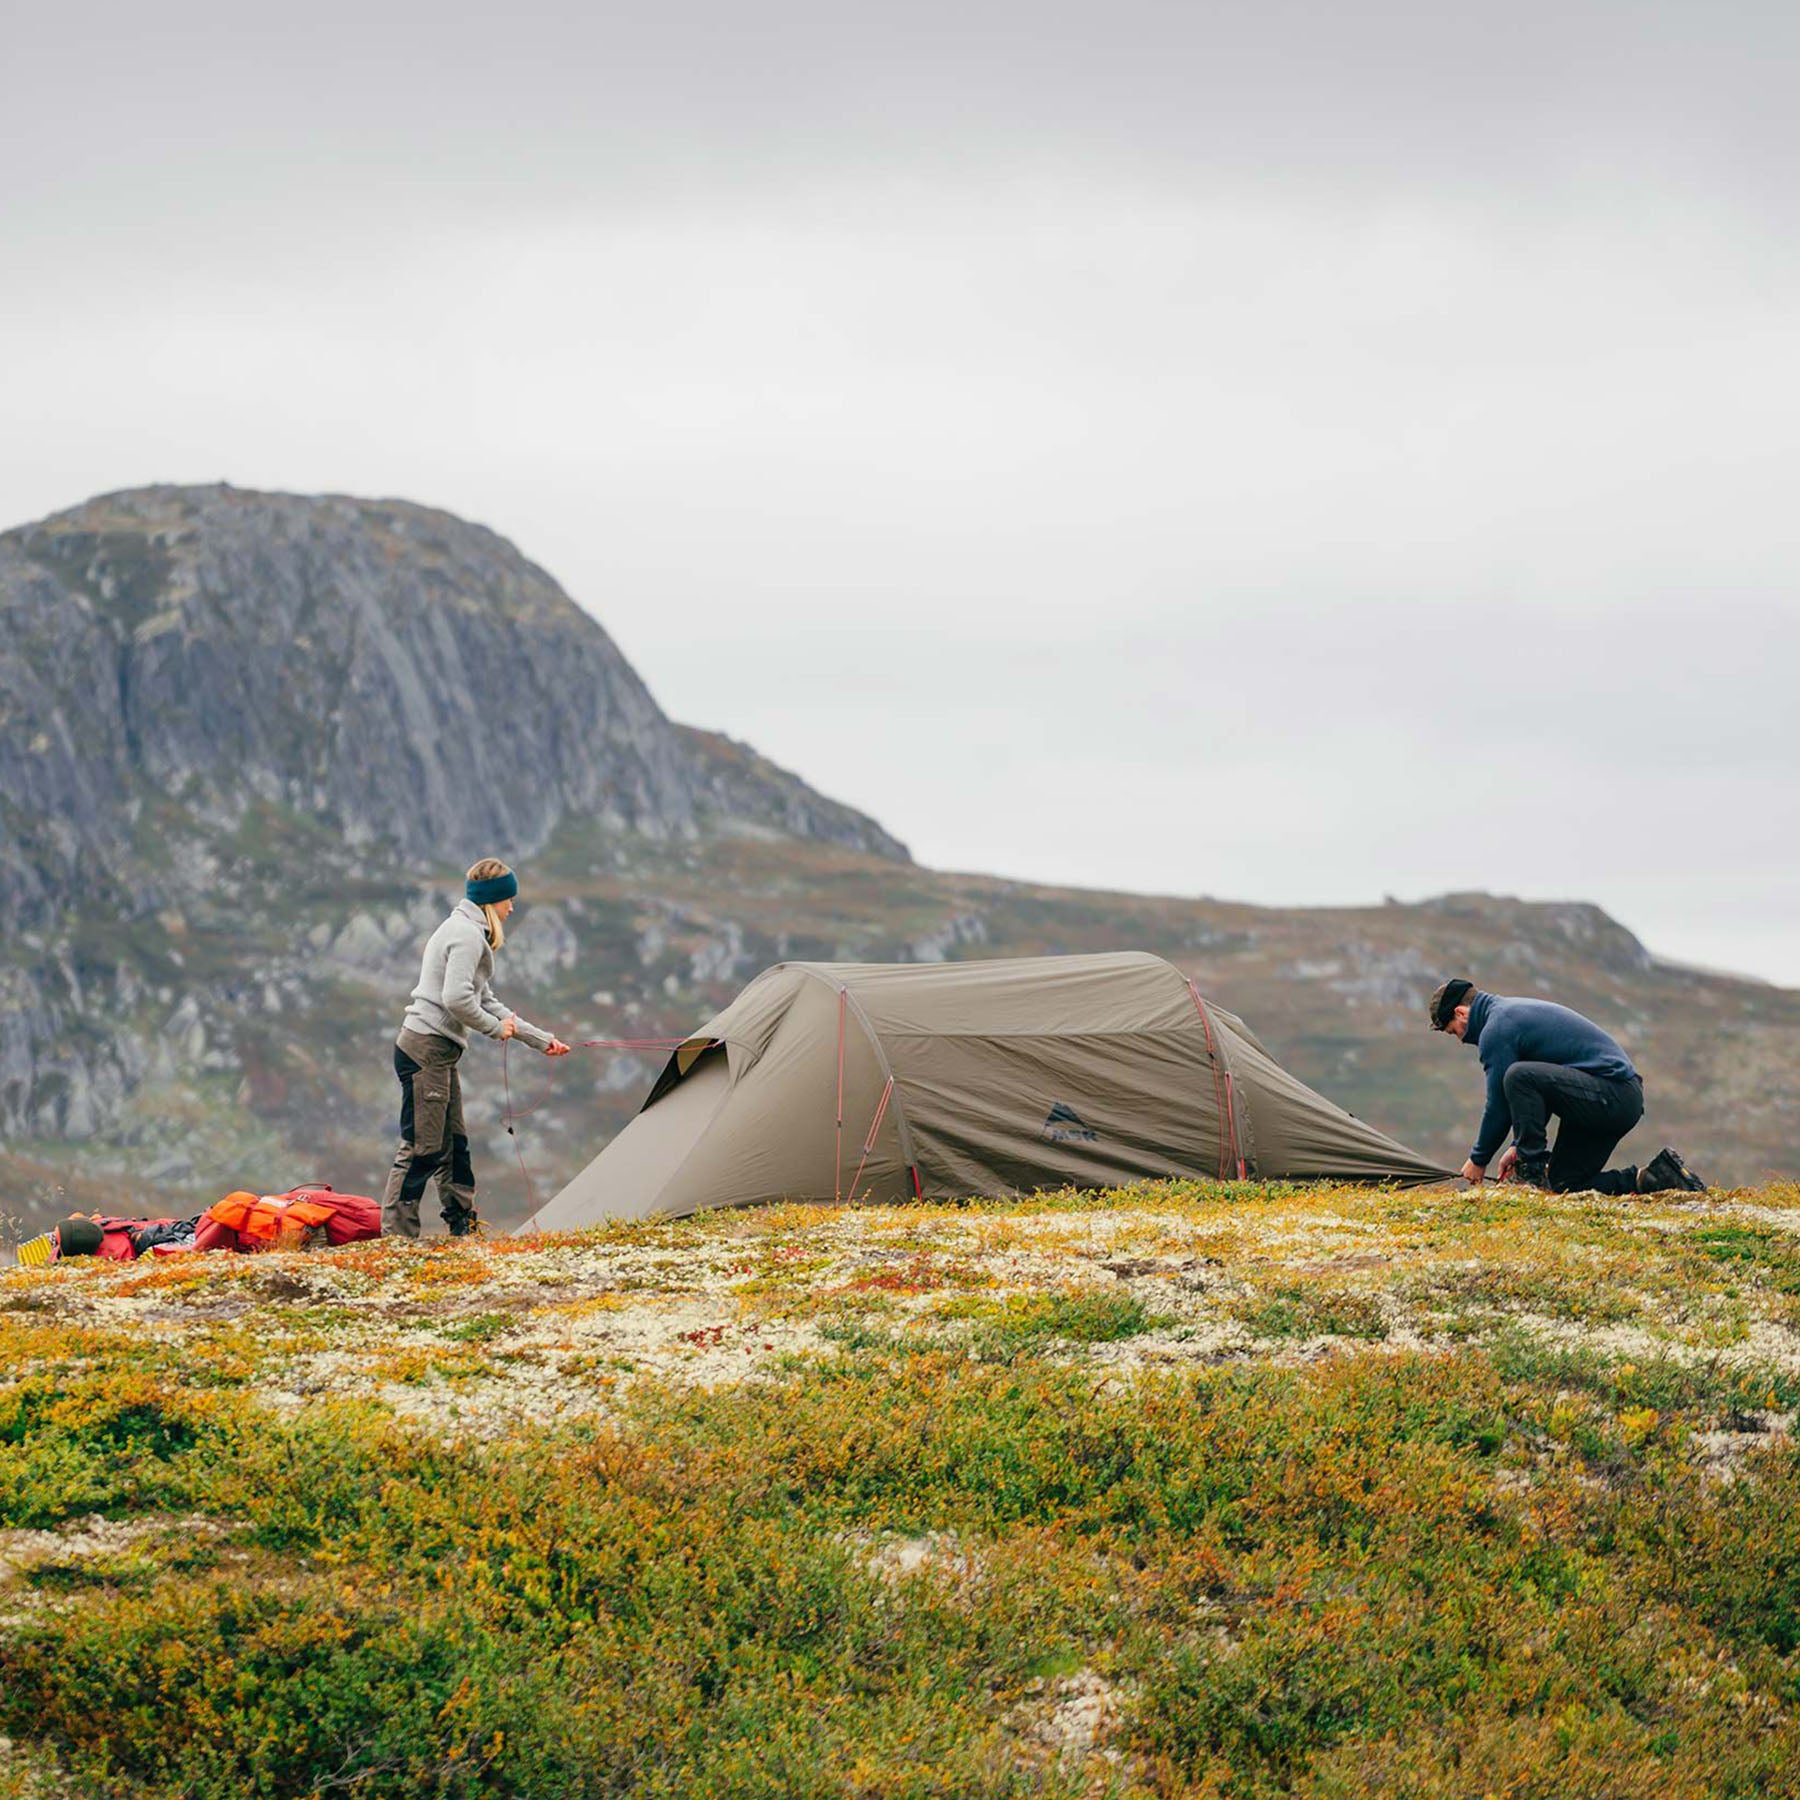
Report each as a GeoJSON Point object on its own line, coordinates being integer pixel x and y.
{"type": "Point", "coordinates": [290, 1221]}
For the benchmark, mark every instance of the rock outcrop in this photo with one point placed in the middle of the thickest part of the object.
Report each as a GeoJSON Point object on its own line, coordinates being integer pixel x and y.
{"type": "Point", "coordinates": [742, 793]}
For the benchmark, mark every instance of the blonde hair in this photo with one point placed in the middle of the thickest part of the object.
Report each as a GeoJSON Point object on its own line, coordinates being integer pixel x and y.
{"type": "Point", "coordinates": [490, 868]}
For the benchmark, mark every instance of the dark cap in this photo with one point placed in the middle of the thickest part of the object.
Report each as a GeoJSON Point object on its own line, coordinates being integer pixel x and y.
{"type": "Point", "coordinates": [1446, 1000]}
{"type": "Point", "coordinates": [79, 1237]}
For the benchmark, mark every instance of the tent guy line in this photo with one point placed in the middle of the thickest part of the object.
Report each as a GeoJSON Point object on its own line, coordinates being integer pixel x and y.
{"type": "Point", "coordinates": [513, 1114]}
{"type": "Point", "coordinates": [1229, 1150]}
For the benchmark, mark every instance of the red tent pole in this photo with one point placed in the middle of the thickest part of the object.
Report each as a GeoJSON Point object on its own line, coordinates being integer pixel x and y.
{"type": "Point", "coordinates": [1231, 1112]}
{"type": "Point", "coordinates": [869, 1141]}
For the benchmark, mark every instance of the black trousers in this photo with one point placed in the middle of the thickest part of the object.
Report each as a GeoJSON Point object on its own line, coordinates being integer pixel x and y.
{"type": "Point", "coordinates": [1593, 1113]}
{"type": "Point", "coordinates": [434, 1145]}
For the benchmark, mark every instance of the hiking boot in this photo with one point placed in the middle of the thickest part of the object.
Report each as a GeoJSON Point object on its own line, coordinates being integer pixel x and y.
{"type": "Point", "coordinates": [1665, 1171]}
{"type": "Point", "coordinates": [1533, 1171]}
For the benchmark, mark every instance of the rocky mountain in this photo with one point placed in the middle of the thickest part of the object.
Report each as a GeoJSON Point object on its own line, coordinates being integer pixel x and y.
{"type": "Point", "coordinates": [248, 742]}
{"type": "Point", "coordinates": [398, 676]}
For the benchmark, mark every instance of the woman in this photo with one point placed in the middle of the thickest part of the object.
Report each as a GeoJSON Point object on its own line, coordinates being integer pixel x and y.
{"type": "Point", "coordinates": [453, 995]}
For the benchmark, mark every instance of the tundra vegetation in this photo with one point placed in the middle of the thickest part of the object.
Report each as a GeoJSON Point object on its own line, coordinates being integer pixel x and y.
{"type": "Point", "coordinates": [1183, 1490]}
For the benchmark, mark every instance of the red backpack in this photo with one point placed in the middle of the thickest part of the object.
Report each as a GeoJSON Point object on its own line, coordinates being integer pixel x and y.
{"type": "Point", "coordinates": [122, 1240]}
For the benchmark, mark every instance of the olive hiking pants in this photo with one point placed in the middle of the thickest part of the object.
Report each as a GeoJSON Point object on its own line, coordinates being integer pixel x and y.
{"type": "Point", "coordinates": [434, 1144]}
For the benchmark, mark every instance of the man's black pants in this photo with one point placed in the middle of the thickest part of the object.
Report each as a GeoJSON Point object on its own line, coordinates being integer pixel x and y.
{"type": "Point", "coordinates": [1593, 1114]}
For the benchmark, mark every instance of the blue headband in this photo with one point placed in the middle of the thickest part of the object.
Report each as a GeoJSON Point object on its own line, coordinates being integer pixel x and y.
{"type": "Point", "coordinates": [492, 891]}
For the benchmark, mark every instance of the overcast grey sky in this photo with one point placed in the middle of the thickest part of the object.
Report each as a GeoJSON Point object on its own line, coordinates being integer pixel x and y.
{"type": "Point", "coordinates": [1292, 452]}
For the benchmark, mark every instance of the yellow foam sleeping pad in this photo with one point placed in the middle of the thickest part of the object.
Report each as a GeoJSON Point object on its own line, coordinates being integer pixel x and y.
{"type": "Point", "coordinates": [35, 1252]}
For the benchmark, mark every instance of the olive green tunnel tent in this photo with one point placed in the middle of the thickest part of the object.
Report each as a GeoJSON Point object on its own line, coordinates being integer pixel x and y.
{"type": "Point", "coordinates": [888, 1082]}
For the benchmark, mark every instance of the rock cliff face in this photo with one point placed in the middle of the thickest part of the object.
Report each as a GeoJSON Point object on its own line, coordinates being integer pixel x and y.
{"type": "Point", "coordinates": [404, 678]}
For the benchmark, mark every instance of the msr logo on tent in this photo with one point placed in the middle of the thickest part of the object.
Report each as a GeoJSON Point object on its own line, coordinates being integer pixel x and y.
{"type": "Point", "coordinates": [1066, 1126]}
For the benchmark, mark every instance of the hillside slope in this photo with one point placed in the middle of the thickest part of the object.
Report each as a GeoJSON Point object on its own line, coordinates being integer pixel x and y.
{"type": "Point", "coordinates": [400, 676]}
{"type": "Point", "coordinates": [268, 1037]}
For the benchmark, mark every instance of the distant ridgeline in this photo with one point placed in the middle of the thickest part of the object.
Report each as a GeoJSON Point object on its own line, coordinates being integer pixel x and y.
{"type": "Point", "coordinates": [248, 742]}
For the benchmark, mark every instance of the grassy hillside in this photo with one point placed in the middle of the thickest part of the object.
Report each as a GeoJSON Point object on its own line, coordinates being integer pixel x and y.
{"type": "Point", "coordinates": [1176, 1491]}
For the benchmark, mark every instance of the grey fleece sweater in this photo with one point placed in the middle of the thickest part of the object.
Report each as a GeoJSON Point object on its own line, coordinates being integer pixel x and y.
{"type": "Point", "coordinates": [455, 988]}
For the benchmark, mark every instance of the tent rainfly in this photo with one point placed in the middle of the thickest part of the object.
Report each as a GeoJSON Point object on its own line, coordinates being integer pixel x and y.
{"type": "Point", "coordinates": [886, 1082]}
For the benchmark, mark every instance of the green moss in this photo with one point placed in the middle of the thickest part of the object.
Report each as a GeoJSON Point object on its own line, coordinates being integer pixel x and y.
{"type": "Point", "coordinates": [1756, 1251]}
{"type": "Point", "coordinates": [480, 1328]}
{"type": "Point", "coordinates": [1305, 1312]}
{"type": "Point", "coordinates": [1019, 1324]}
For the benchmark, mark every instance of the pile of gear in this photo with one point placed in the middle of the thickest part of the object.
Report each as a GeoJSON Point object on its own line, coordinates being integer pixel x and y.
{"type": "Point", "coordinates": [296, 1220]}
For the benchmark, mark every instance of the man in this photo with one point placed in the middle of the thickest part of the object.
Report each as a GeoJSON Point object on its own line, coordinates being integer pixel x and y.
{"type": "Point", "coordinates": [1543, 1059]}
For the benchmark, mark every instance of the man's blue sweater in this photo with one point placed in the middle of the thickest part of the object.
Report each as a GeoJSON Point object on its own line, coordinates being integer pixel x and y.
{"type": "Point", "coordinates": [1507, 1031]}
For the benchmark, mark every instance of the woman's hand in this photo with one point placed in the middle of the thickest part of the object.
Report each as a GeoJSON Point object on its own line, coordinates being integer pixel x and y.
{"type": "Point", "coordinates": [557, 1048]}
{"type": "Point", "coordinates": [510, 1028]}
{"type": "Point", "coordinates": [1473, 1171]}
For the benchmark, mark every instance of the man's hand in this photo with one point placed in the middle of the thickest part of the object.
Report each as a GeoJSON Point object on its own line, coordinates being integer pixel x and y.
{"type": "Point", "coordinates": [556, 1047]}
{"type": "Point", "coordinates": [1473, 1171]}
{"type": "Point", "coordinates": [510, 1028]}
{"type": "Point", "coordinates": [1509, 1160]}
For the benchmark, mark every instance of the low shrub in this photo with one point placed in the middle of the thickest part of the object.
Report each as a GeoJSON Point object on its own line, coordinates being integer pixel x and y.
{"type": "Point", "coordinates": [1510, 1564]}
